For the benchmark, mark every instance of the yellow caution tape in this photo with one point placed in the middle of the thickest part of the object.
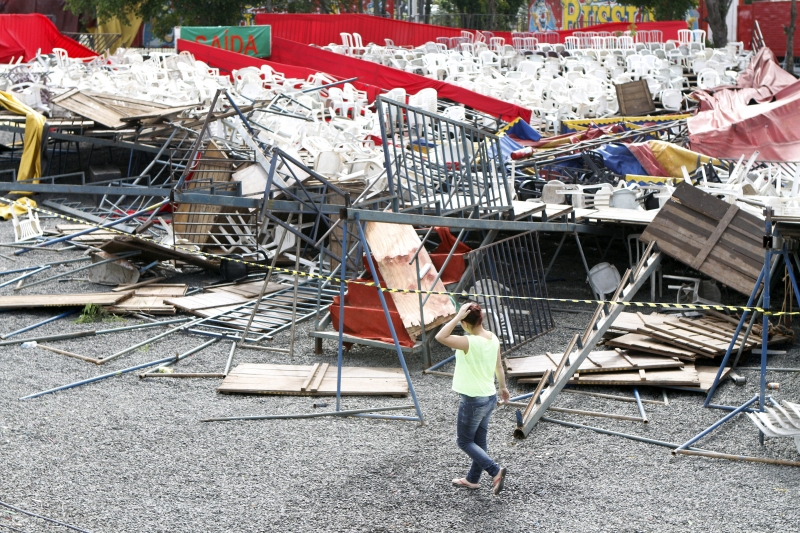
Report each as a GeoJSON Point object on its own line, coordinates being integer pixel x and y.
{"type": "Point", "coordinates": [651, 305]}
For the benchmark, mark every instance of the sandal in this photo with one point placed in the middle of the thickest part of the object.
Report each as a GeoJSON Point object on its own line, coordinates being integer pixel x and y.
{"type": "Point", "coordinates": [499, 481]}
{"type": "Point", "coordinates": [462, 482]}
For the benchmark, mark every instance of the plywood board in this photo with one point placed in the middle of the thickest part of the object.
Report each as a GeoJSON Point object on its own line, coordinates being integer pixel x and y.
{"type": "Point", "coordinates": [634, 98]}
{"type": "Point", "coordinates": [393, 246]}
{"type": "Point", "coordinates": [711, 236]}
{"type": "Point", "coordinates": [206, 300]}
{"type": "Point", "coordinates": [630, 322]}
{"type": "Point", "coordinates": [685, 376]}
{"type": "Point", "coordinates": [600, 361]}
{"type": "Point", "coordinates": [313, 380]}
{"type": "Point", "coordinates": [105, 109]}
{"type": "Point", "coordinates": [143, 304]}
{"type": "Point", "coordinates": [250, 289]}
{"type": "Point", "coordinates": [32, 301]}
{"type": "Point", "coordinates": [643, 343]}
{"type": "Point", "coordinates": [615, 214]}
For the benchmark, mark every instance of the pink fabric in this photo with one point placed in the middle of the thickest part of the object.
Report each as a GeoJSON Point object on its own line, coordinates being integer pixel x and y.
{"type": "Point", "coordinates": [727, 127]}
{"type": "Point", "coordinates": [762, 79]}
{"type": "Point", "coordinates": [293, 53]}
{"type": "Point", "coordinates": [32, 33]}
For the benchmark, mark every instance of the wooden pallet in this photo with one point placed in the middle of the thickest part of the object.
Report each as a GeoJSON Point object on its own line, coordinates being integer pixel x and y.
{"type": "Point", "coordinates": [313, 380]}
{"type": "Point", "coordinates": [600, 361]}
{"type": "Point", "coordinates": [710, 235]}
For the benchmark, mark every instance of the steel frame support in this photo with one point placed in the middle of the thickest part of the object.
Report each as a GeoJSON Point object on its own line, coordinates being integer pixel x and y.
{"type": "Point", "coordinates": [599, 324]}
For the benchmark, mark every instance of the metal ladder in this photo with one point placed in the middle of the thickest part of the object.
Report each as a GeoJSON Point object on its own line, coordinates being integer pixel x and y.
{"type": "Point", "coordinates": [553, 381]}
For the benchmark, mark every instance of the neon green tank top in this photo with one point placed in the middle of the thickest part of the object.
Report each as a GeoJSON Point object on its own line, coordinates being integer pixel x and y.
{"type": "Point", "coordinates": [474, 374]}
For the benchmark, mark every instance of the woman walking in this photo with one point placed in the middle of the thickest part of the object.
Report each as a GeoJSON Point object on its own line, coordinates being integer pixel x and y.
{"type": "Point", "coordinates": [477, 362]}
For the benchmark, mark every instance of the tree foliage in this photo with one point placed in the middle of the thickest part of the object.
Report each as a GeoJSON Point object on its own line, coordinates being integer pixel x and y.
{"type": "Point", "coordinates": [165, 14]}
{"type": "Point", "coordinates": [664, 9]}
{"type": "Point", "coordinates": [483, 7]}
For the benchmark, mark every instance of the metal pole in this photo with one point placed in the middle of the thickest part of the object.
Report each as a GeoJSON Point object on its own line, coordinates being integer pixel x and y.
{"type": "Point", "coordinates": [339, 352]}
{"type": "Point", "coordinates": [439, 364]}
{"type": "Point", "coordinates": [79, 269]}
{"type": "Point", "coordinates": [266, 283]}
{"type": "Point", "coordinates": [230, 359]}
{"type": "Point", "coordinates": [308, 415]}
{"type": "Point", "coordinates": [92, 229]}
{"type": "Point", "coordinates": [148, 341]}
{"type": "Point", "coordinates": [735, 337]}
{"type": "Point", "coordinates": [98, 378]}
{"type": "Point", "coordinates": [22, 277]}
{"type": "Point", "coordinates": [388, 316]}
{"type": "Point", "coordinates": [716, 424]}
{"type": "Point", "coordinates": [294, 298]}
{"type": "Point", "coordinates": [38, 324]}
{"type": "Point", "coordinates": [613, 433]}
{"type": "Point", "coordinates": [639, 405]}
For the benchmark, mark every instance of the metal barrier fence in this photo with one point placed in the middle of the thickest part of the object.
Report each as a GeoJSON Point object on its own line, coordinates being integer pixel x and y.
{"type": "Point", "coordinates": [441, 166]}
{"type": "Point", "coordinates": [511, 267]}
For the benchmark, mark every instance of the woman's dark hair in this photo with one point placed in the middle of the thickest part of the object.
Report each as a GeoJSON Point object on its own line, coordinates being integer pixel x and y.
{"type": "Point", "coordinates": [475, 316]}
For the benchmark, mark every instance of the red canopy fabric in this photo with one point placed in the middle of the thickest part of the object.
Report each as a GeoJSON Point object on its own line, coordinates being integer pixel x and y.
{"type": "Point", "coordinates": [325, 29]}
{"type": "Point", "coordinates": [227, 61]}
{"type": "Point", "coordinates": [292, 53]}
{"type": "Point", "coordinates": [761, 81]}
{"type": "Point", "coordinates": [35, 33]}
{"type": "Point", "coordinates": [732, 129]}
{"type": "Point", "coordinates": [727, 127]}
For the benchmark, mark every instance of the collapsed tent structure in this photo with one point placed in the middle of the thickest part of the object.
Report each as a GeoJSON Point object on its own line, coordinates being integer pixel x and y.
{"type": "Point", "coordinates": [329, 184]}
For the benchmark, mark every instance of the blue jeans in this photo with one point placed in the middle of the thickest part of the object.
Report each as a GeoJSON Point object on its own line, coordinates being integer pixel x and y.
{"type": "Point", "coordinates": [473, 425]}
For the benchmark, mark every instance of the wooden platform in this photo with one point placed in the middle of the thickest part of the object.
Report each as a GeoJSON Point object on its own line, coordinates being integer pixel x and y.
{"type": "Point", "coordinates": [313, 380]}
{"type": "Point", "coordinates": [710, 235]}
{"type": "Point", "coordinates": [600, 361]}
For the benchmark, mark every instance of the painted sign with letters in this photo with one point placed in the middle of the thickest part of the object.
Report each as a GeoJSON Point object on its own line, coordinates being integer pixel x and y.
{"type": "Point", "coordinates": [253, 41]}
{"type": "Point", "coordinates": [553, 15]}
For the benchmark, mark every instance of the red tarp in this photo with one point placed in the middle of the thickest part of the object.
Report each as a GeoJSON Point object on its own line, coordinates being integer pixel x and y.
{"type": "Point", "coordinates": [325, 29]}
{"type": "Point", "coordinates": [728, 127]}
{"type": "Point", "coordinates": [364, 316]}
{"type": "Point", "coordinates": [227, 62]}
{"type": "Point", "coordinates": [292, 53]}
{"type": "Point", "coordinates": [30, 34]}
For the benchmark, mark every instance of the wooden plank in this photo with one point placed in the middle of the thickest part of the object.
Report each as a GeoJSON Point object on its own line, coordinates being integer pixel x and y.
{"type": "Point", "coordinates": [311, 375]}
{"type": "Point", "coordinates": [288, 379]}
{"type": "Point", "coordinates": [143, 304]}
{"type": "Point", "coordinates": [32, 301]}
{"type": "Point", "coordinates": [644, 343]}
{"type": "Point", "coordinates": [599, 361]}
{"type": "Point", "coordinates": [249, 290]}
{"type": "Point", "coordinates": [138, 285]}
{"type": "Point", "coordinates": [685, 376]}
{"type": "Point", "coordinates": [207, 300]}
{"type": "Point", "coordinates": [163, 290]}
{"type": "Point", "coordinates": [320, 376]}
{"type": "Point", "coordinates": [712, 240]}
{"type": "Point", "coordinates": [393, 246]}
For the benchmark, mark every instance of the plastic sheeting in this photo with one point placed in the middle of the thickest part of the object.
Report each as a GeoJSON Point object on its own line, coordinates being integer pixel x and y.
{"type": "Point", "coordinates": [729, 128]}
{"type": "Point", "coordinates": [663, 159]}
{"type": "Point", "coordinates": [30, 166]}
{"type": "Point", "coordinates": [30, 34]}
{"type": "Point", "coordinates": [292, 53]}
{"type": "Point", "coordinates": [619, 159]}
{"type": "Point", "coordinates": [760, 82]}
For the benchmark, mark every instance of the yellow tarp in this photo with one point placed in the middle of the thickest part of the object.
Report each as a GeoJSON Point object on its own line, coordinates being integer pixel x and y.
{"type": "Point", "coordinates": [128, 31]}
{"type": "Point", "coordinates": [20, 207]}
{"type": "Point", "coordinates": [673, 157]}
{"type": "Point", "coordinates": [30, 167]}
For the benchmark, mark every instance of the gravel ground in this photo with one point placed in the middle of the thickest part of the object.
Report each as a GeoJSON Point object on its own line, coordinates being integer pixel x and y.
{"type": "Point", "coordinates": [130, 455]}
